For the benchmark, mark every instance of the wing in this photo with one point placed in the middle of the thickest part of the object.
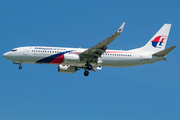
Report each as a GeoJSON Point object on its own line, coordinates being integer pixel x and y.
{"type": "Point", "coordinates": [97, 50]}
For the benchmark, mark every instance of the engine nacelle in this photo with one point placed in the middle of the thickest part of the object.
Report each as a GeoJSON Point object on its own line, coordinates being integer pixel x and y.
{"type": "Point", "coordinates": [66, 69]}
{"type": "Point", "coordinates": [71, 58]}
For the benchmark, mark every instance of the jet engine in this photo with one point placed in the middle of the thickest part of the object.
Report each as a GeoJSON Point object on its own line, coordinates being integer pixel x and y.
{"type": "Point", "coordinates": [66, 69]}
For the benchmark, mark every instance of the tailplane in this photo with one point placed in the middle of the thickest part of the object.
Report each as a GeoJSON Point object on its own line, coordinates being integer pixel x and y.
{"type": "Point", "coordinates": [157, 42]}
{"type": "Point", "coordinates": [164, 52]}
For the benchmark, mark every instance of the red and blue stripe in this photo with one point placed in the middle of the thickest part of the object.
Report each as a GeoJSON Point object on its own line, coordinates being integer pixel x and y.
{"type": "Point", "coordinates": [53, 59]}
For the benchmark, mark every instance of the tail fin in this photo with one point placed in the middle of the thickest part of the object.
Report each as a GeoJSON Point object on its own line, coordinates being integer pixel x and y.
{"type": "Point", "coordinates": [158, 41]}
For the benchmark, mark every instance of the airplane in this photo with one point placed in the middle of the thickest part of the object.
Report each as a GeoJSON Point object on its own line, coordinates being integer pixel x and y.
{"type": "Point", "coordinates": [69, 60]}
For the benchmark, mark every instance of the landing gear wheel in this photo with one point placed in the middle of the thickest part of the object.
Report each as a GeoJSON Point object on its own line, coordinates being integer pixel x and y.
{"type": "Point", "coordinates": [20, 67]}
{"type": "Point", "coordinates": [89, 66]}
{"type": "Point", "coordinates": [86, 73]}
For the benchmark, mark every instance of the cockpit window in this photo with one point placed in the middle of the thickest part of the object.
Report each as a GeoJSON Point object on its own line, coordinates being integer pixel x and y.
{"type": "Point", "coordinates": [13, 50]}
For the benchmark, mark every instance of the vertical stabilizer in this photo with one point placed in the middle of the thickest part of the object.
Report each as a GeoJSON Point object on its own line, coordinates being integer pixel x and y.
{"type": "Point", "coordinates": [158, 41]}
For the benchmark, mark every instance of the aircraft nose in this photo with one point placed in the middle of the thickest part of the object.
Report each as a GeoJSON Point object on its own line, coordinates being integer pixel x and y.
{"type": "Point", "coordinates": [5, 55]}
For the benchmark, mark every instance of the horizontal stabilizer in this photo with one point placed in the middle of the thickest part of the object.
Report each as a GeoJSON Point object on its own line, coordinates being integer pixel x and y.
{"type": "Point", "coordinates": [164, 52]}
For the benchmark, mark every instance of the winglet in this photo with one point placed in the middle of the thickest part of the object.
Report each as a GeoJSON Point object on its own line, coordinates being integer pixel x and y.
{"type": "Point", "coordinates": [121, 28]}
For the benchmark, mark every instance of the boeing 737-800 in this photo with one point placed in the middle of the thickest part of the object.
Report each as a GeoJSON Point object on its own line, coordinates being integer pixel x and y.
{"type": "Point", "coordinates": [69, 60]}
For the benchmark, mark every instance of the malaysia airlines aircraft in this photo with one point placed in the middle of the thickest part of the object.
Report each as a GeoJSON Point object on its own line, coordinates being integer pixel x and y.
{"type": "Point", "coordinates": [69, 60]}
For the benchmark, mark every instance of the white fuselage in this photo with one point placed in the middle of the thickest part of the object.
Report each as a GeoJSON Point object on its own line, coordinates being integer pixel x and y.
{"type": "Point", "coordinates": [70, 56]}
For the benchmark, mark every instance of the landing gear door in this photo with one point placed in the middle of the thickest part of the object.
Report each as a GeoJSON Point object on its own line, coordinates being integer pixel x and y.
{"type": "Point", "coordinates": [25, 51]}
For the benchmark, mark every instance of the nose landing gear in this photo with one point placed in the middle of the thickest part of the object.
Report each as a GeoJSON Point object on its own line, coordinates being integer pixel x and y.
{"type": "Point", "coordinates": [20, 67]}
{"type": "Point", "coordinates": [18, 63]}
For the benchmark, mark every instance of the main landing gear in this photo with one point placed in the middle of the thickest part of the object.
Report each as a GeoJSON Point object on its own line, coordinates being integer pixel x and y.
{"type": "Point", "coordinates": [86, 73]}
{"type": "Point", "coordinates": [88, 66]}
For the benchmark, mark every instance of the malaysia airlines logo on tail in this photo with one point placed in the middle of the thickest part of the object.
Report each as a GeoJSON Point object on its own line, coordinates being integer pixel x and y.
{"type": "Point", "coordinates": [158, 41]}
